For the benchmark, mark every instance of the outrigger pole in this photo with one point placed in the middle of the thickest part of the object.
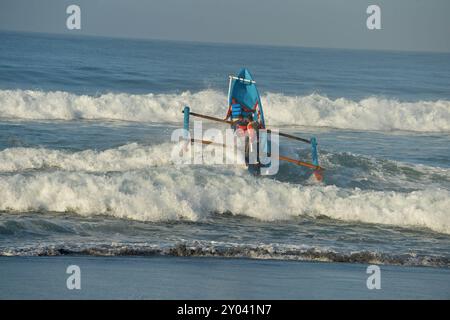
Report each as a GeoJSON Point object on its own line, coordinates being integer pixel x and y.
{"type": "Point", "coordinates": [315, 159]}
{"type": "Point", "coordinates": [231, 122]}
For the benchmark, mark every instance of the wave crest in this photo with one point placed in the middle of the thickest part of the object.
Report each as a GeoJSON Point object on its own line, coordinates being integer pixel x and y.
{"type": "Point", "coordinates": [127, 157]}
{"type": "Point", "coordinates": [188, 194]}
{"type": "Point", "coordinates": [372, 113]}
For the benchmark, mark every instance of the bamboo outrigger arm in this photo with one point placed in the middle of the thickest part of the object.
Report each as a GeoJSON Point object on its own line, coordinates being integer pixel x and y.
{"type": "Point", "coordinates": [315, 165]}
{"type": "Point", "coordinates": [231, 122]}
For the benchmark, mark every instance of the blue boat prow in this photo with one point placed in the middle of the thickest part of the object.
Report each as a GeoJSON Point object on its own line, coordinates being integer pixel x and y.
{"type": "Point", "coordinates": [243, 89]}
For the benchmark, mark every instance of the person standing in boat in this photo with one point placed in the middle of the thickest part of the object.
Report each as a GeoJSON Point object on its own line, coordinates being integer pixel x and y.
{"type": "Point", "coordinates": [240, 125]}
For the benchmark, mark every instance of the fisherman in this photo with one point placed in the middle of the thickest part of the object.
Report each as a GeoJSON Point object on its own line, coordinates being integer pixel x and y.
{"type": "Point", "coordinates": [240, 125]}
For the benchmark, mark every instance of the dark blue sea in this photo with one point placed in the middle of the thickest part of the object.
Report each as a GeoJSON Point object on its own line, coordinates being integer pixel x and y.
{"type": "Point", "coordinates": [86, 167]}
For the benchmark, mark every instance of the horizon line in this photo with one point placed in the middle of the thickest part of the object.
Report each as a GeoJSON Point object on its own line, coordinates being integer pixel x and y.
{"type": "Point", "coordinates": [138, 38]}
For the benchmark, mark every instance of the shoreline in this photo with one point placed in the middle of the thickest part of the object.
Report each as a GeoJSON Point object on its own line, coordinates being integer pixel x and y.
{"type": "Point", "coordinates": [131, 277]}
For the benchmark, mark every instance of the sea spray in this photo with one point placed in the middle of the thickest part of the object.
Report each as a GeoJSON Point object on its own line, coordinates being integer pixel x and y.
{"type": "Point", "coordinates": [194, 194]}
{"type": "Point", "coordinates": [372, 113]}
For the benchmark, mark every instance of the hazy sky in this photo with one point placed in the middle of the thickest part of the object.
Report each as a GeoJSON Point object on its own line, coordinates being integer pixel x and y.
{"type": "Point", "coordinates": [406, 24]}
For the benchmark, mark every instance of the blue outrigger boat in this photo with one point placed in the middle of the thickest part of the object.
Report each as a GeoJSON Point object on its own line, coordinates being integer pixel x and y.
{"type": "Point", "coordinates": [243, 91]}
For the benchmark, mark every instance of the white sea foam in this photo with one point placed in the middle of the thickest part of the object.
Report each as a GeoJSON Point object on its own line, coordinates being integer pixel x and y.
{"type": "Point", "coordinates": [135, 156]}
{"type": "Point", "coordinates": [192, 194]}
{"type": "Point", "coordinates": [372, 113]}
{"type": "Point", "coordinates": [127, 157]}
{"type": "Point", "coordinates": [224, 249]}
{"type": "Point", "coordinates": [368, 114]}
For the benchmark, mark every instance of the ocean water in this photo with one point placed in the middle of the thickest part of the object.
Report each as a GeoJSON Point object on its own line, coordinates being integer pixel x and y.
{"type": "Point", "coordinates": [86, 168]}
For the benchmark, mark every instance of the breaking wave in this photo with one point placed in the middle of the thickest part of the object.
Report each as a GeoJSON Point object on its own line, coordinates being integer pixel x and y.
{"type": "Point", "coordinates": [186, 193]}
{"type": "Point", "coordinates": [372, 113]}
{"type": "Point", "coordinates": [344, 169]}
{"type": "Point", "coordinates": [229, 250]}
{"type": "Point", "coordinates": [131, 156]}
